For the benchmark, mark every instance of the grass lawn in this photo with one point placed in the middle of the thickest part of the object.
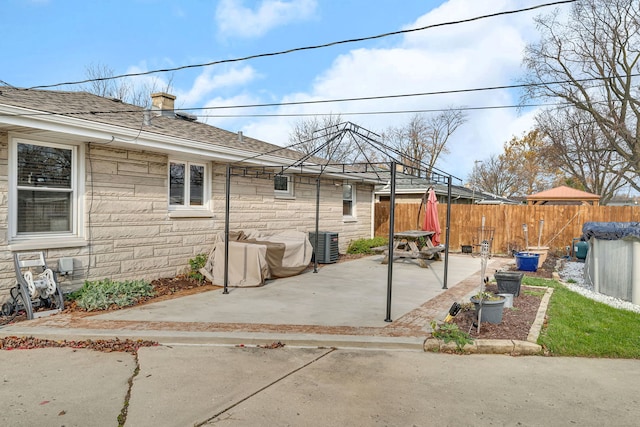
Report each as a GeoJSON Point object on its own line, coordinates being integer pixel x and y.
{"type": "Point", "coordinates": [579, 326]}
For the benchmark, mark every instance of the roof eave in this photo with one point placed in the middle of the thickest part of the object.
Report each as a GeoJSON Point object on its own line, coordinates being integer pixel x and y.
{"type": "Point", "coordinates": [91, 131]}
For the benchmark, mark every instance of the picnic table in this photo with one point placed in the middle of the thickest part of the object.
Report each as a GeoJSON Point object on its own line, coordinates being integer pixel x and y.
{"type": "Point", "coordinates": [414, 244]}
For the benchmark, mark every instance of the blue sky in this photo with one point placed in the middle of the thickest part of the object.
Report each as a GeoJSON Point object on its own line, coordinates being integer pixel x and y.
{"type": "Point", "coordinates": [53, 41]}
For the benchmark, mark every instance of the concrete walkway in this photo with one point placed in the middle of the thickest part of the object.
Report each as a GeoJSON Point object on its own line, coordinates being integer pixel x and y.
{"type": "Point", "coordinates": [318, 378]}
{"type": "Point", "coordinates": [344, 305]}
{"type": "Point", "coordinates": [195, 385]}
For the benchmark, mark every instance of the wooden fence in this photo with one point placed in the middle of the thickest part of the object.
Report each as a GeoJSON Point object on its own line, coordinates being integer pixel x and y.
{"type": "Point", "coordinates": [562, 223]}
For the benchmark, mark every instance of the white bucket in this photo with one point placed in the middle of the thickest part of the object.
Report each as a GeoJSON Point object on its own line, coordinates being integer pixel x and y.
{"type": "Point", "coordinates": [508, 300]}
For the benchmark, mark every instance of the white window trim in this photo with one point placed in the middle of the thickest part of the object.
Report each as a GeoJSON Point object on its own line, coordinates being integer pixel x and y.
{"type": "Point", "coordinates": [188, 211]}
{"type": "Point", "coordinates": [289, 193]}
{"type": "Point", "coordinates": [74, 238]}
{"type": "Point", "coordinates": [353, 217]}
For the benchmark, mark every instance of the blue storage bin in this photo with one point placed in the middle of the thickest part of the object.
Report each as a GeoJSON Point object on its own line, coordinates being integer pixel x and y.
{"type": "Point", "coordinates": [527, 261]}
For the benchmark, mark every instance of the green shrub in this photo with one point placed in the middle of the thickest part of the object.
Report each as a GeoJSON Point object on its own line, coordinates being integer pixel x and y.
{"type": "Point", "coordinates": [363, 246]}
{"type": "Point", "coordinates": [102, 294]}
{"type": "Point", "coordinates": [448, 332]}
{"type": "Point", "coordinates": [196, 264]}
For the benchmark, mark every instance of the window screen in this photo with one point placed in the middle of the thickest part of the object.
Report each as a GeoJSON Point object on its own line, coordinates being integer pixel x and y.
{"type": "Point", "coordinates": [45, 189]}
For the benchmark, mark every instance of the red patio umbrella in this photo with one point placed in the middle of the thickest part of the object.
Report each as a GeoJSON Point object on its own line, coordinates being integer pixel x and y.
{"type": "Point", "coordinates": [431, 222]}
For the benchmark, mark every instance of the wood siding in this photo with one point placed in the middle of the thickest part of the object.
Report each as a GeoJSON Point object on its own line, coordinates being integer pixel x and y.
{"type": "Point", "coordinates": [562, 223]}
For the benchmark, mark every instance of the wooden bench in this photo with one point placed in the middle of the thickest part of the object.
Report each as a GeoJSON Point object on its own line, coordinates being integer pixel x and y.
{"type": "Point", "coordinates": [434, 252]}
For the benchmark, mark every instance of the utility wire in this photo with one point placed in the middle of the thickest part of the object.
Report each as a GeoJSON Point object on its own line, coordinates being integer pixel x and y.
{"type": "Point", "coordinates": [342, 113]}
{"type": "Point", "coordinates": [365, 98]}
{"type": "Point", "coordinates": [7, 84]}
{"type": "Point", "coordinates": [408, 95]}
{"type": "Point", "coordinates": [371, 113]}
{"type": "Point", "coordinates": [299, 49]}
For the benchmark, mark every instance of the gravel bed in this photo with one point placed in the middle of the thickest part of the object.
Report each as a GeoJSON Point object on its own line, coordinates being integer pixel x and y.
{"type": "Point", "coordinates": [575, 270]}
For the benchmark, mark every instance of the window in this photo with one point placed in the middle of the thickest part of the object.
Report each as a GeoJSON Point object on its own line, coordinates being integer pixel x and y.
{"type": "Point", "coordinates": [348, 200]}
{"type": "Point", "coordinates": [283, 186]}
{"type": "Point", "coordinates": [188, 187]}
{"type": "Point", "coordinates": [44, 191]}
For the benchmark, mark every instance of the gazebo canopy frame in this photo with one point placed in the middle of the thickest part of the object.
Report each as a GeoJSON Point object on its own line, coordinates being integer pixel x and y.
{"type": "Point", "coordinates": [309, 169]}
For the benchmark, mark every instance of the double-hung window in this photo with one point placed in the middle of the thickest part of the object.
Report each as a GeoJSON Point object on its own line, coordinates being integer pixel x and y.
{"type": "Point", "coordinates": [44, 193]}
{"type": "Point", "coordinates": [348, 201]}
{"type": "Point", "coordinates": [188, 186]}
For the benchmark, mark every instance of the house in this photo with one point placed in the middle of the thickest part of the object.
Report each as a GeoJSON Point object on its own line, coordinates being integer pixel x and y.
{"type": "Point", "coordinates": [124, 193]}
{"type": "Point", "coordinates": [622, 200]}
{"type": "Point", "coordinates": [411, 189]}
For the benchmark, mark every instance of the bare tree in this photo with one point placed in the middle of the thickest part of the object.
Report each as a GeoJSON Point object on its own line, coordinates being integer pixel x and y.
{"type": "Point", "coordinates": [591, 62]}
{"type": "Point", "coordinates": [125, 89]}
{"type": "Point", "coordinates": [424, 139]}
{"type": "Point", "coordinates": [322, 136]}
{"type": "Point", "coordinates": [574, 144]}
{"type": "Point", "coordinates": [494, 175]}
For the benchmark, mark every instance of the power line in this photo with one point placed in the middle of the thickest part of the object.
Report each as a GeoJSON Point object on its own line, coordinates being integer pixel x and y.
{"type": "Point", "coordinates": [364, 113]}
{"type": "Point", "coordinates": [7, 84]}
{"type": "Point", "coordinates": [407, 95]}
{"type": "Point", "coordinates": [299, 49]}
{"type": "Point", "coordinates": [352, 113]}
{"type": "Point", "coordinates": [326, 101]}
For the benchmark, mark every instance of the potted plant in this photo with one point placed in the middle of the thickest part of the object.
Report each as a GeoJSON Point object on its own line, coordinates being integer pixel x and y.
{"type": "Point", "coordinates": [489, 306]}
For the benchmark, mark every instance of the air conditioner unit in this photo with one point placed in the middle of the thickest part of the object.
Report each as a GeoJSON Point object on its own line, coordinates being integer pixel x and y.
{"type": "Point", "coordinates": [327, 249]}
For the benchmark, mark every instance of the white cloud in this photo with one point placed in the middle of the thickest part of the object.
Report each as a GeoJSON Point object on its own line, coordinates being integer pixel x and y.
{"type": "Point", "coordinates": [235, 20]}
{"type": "Point", "coordinates": [479, 54]}
{"type": "Point", "coordinates": [228, 123]}
{"type": "Point", "coordinates": [145, 84]}
{"type": "Point", "coordinates": [207, 82]}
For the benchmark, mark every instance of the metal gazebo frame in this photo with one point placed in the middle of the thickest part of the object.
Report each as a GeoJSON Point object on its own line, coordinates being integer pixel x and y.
{"type": "Point", "coordinates": [309, 168]}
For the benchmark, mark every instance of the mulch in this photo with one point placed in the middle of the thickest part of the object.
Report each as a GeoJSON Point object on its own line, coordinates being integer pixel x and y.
{"type": "Point", "coordinates": [107, 345]}
{"type": "Point", "coordinates": [517, 321]}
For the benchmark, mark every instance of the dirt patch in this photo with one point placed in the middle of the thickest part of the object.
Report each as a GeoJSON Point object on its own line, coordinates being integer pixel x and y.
{"type": "Point", "coordinates": [517, 321]}
{"type": "Point", "coordinates": [164, 289]}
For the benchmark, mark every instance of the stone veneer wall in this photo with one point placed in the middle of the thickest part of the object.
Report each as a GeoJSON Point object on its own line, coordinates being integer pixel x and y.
{"type": "Point", "coordinates": [132, 236]}
{"type": "Point", "coordinates": [253, 205]}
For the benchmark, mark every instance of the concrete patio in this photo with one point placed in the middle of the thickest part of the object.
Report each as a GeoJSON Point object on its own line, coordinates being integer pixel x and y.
{"type": "Point", "coordinates": [343, 304]}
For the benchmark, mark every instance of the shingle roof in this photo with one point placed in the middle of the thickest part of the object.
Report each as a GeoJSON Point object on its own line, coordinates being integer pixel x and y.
{"type": "Point", "coordinates": [407, 184]}
{"type": "Point", "coordinates": [86, 106]}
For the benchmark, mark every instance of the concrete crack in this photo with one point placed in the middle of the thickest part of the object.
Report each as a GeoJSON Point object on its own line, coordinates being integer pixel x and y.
{"type": "Point", "coordinates": [122, 418]}
{"type": "Point", "coordinates": [264, 388]}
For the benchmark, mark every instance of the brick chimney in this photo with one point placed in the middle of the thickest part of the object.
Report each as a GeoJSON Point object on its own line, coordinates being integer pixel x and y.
{"type": "Point", "coordinates": [162, 104]}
